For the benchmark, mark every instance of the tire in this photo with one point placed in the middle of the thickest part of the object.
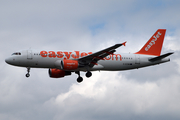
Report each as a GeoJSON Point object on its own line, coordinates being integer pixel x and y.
{"type": "Point", "coordinates": [88, 74]}
{"type": "Point", "coordinates": [79, 79]}
{"type": "Point", "coordinates": [27, 75]}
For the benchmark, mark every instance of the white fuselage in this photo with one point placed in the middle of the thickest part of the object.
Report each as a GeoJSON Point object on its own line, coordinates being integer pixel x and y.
{"type": "Point", "coordinates": [63, 63]}
{"type": "Point", "coordinates": [115, 62]}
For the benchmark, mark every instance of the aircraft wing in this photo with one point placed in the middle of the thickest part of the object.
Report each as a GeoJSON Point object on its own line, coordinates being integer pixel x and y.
{"type": "Point", "coordinates": [92, 59]}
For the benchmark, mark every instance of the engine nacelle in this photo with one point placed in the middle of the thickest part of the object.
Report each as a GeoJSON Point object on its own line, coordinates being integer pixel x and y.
{"type": "Point", "coordinates": [69, 64]}
{"type": "Point", "coordinates": [56, 73]}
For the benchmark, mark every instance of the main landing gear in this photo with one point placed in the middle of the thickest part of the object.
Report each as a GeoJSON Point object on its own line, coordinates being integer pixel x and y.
{"type": "Point", "coordinates": [88, 74]}
{"type": "Point", "coordinates": [28, 70]}
{"type": "Point", "coordinates": [80, 79]}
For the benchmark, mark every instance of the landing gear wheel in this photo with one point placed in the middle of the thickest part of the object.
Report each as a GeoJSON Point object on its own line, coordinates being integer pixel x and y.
{"type": "Point", "coordinates": [79, 79]}
{"type": "Point", "coordinates": [88, 74]}
{"type": "Point", "coordinates": [27, 75]}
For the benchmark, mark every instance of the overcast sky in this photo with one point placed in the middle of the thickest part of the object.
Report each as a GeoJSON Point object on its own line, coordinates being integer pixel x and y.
{"type": "Point", "coordinates": [89, 25]}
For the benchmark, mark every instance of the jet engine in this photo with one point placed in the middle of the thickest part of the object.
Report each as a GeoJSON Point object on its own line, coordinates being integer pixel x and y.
{"type": "Point", "coordinates": [69, 64]}
{"type": "Point", "coordinates": [56, 73]}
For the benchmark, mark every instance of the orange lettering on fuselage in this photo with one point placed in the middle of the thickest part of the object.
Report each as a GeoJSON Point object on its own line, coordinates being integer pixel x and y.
{"type": "Point", "coordinates": [60, 54]}
{"type": "Point", "coordinates": [68, 55]}
{"type": "Point", "coordinates": [52, 54]}
{"type": "Point", "coordinates": [83, 54]}
{"type": "Point", "coordinates": [116, 56]}
{"type": "Point", "coordinates": [89, 53]}
{"type": "Point", "coordinates": [43, 53]}
{"type": "Point", "coordinates": [108, 57]}
{"type": "Point", "coordinates": [75, 55]}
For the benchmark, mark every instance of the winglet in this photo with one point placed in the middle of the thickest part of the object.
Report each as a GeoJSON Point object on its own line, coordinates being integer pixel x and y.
{"type": "Point", "coordinates": [124, 43]}
{"type": "Point", "coordinates": [154, 44]}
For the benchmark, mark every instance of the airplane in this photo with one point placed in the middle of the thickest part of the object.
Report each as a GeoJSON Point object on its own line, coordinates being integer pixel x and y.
{"type": "Point", "coordinates": [63, 63]}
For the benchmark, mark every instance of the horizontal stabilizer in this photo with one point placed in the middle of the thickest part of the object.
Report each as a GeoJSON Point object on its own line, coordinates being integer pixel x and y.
{"type": "Point", "coordinates": [160, 57]}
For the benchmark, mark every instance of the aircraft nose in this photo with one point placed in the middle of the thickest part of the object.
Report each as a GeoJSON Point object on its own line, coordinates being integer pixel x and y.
{"type": "Point", "coordinates": [8, 60]}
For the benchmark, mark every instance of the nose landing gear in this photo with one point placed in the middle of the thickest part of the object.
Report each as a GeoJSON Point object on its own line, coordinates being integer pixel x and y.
{"type": "Point", "coordinates": [28, 70]}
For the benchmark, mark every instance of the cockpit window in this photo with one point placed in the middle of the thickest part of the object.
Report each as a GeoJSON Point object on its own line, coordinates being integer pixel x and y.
{"type": "Point", "coordinates": [16, 53]}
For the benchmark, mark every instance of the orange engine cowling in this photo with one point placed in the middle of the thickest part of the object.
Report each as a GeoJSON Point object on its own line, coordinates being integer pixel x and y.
{"type": "Point", "coordinates": [56, 73]}
{"type": "Point", "coordinates": [69, 64]}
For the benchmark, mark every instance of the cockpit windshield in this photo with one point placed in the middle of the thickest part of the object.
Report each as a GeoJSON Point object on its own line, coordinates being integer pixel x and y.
{"type": "Point", "coordinates": [16, 53]}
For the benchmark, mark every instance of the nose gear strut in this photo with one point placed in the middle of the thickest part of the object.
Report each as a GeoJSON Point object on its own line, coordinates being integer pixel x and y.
{"type": "Point", "coordinates": [28, 70]}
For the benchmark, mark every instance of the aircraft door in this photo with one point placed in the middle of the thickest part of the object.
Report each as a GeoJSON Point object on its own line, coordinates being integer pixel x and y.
{"type": "Point", "coordinates": [137, 60]}
{"type": "Point", "coordinates": [29, 54]}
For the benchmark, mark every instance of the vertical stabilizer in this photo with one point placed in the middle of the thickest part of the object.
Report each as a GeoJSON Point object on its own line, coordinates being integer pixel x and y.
{"type": "Point", "coordinates": [154, 44]}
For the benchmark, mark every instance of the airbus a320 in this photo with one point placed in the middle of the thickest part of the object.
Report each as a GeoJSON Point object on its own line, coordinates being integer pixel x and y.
{"type": "Point", "coordinates": [62, 63]}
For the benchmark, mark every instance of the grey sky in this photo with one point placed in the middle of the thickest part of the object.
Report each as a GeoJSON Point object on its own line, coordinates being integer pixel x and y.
{"type": "Point", "coordinates": [147, 93]}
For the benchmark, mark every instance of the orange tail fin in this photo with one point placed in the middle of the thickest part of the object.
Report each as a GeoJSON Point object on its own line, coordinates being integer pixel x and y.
{"type": "Point", "coordinates": [154, 44]}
